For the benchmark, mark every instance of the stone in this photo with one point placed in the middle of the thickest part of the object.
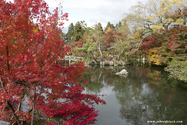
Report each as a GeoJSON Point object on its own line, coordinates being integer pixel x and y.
{"type": "Point", "coordinates": [4, 123]}
{"type": "Point", "coordinates": [122, 72]}
{"type": "Point", "coordinates": [107, 63]}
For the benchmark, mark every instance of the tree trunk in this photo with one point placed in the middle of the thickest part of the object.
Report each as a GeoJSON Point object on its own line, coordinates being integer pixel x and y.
{"type": "Point", "coordinates": [93, 57]}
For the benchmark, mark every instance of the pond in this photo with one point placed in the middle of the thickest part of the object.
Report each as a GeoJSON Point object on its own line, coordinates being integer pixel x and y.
{"type": "Point", "coordinates": [145, 96]}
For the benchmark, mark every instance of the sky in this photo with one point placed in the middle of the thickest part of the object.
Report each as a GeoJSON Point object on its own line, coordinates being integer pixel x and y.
{"type": "Point", "coordinates": [93, 11]}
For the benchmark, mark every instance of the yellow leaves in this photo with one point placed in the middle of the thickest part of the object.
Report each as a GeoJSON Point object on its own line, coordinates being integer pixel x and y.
{"type": "Point", "coordinates": [150, 17]}
{"type": "Point", "coordinates": [108, 30]}
{"type": "Point", "coordinates": [169, 7]}
{"type": "Point", "coordinates": [180, 3]}
{"type": "Point", "coordinates": [179, 21]}
{"type": "Point", "coordinates": [139, 34]}
{"type": "Point", "coordinates": [165, 9]}
{"type": "Point", "coordinates": [161, 6]}
{"type": "Point", "coordinates": [35, 30]}
{"type": "Point", "coordinates": [177, 2]}
{"type": "Point", "coordinates": [174, 2]}
{"type": "Point", "coordinates": [168, 20]}
{"type": "Point", "coordinates": [158, 62]}
{"type": "Point", "coordinates": [154, 57]}
{"type": "Point", "coordinates": [157, 28]}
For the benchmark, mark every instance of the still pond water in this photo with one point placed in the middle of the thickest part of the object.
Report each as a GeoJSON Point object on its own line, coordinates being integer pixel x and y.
{"type": "Point", "coordinates": [146, 94]}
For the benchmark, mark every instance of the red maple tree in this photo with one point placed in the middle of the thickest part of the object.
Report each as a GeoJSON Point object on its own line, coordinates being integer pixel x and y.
{"type": "Point", "coordinates": [32, 86]}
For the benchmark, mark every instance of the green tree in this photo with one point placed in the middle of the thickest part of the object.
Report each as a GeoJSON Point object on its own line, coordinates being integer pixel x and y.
{"type": "Point", "coordinates": [69, 36]}
{"type": "Point", "coordinates": [109, 25]}
{"type": "Point", "coordinates": [177, 70]}
{"type": "Point", "coordinates": [100, 28]}
{"type": "Point", "coordinates": [92, 48]}
{"type": "Point", "coordinates": [118, 26]}
{"type": "Point", "coordinates": [79, 30]}
{"type": "Point", "coordinates": [125, 43]}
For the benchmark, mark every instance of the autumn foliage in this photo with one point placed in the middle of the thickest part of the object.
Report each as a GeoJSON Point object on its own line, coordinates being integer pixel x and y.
{"type": "Point", "coordinates": [165, 46]}
{"type": "Point", "coordinates": [32, 86]}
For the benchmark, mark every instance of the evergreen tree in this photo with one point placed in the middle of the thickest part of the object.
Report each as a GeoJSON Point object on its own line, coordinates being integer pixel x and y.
{"type": "Point", "coordinates": [69, 36]}
{"type": "Point", "coordinates": [100, 27]}
{"type": "Point", "coordinates": [118, 26]}
{"type": "Point", "coordinates": [83, 25]}
{"type": "Point", "coordinates": [109, 25]}
{"type": "Point", "coordinates": [79, 30]}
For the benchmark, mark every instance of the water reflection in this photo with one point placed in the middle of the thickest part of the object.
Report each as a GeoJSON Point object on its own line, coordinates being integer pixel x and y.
{"type": "Point", "coordinates": [144, 95]}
